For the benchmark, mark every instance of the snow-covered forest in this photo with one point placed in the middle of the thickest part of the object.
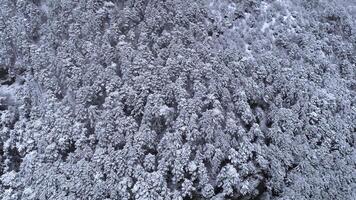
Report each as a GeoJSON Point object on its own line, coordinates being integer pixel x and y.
{"type": "Point", "coordinates": [177, 99]}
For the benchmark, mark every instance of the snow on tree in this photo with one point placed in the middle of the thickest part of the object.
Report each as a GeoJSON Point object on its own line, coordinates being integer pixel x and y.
{"type": "Point", "coordinates": [135, 99]}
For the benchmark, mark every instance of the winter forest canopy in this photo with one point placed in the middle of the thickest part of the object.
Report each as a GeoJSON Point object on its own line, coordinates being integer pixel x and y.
{"type": "Point", "coordinates": [177, 99]}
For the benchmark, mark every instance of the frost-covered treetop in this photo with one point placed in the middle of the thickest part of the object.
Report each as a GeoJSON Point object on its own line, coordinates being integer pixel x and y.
{"type": "Point", "coordinates": [177, 99]}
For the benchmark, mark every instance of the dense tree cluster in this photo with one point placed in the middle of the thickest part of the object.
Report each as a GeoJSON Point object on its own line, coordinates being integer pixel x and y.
{"type": "Point", "coordinates": [177, 99]}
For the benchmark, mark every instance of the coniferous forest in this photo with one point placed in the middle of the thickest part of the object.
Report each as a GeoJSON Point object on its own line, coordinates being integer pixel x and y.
{"type": "Point", "coordinates": [177, 99]}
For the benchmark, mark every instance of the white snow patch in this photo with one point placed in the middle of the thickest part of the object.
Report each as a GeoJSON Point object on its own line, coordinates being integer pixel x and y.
{"type": "Point", "coordinates": [165, 110]}
{"type": "Point", "coordinates": [289, 17]}
{"type": "Point", "coordinates": [231, 7]}
{"type": "Point", "coordinates": [101, 11]}
{"type": "Point", "coordinates": [8, 177]}
{"type": "Point", "coordinates": [221, 8]}
{"type": "Point", "coordinates": [109, 4]}
{"type": "Point", "coordinates": [8, 89]}
{"type": "Point", "coordinates": [44, 8]}
{"type": "Point", "coordinates": [247, 15]}
{"type": "Point", "coordinates": [266, 25]}
{"type": "Point", "coordinates": [265, 6]}
{"type": "Point", "coordinates": [216, 111]}
{"type": "Point", "coordinates": [8, 92]}
{"type": "Point", "coordinates": [29, 193]}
